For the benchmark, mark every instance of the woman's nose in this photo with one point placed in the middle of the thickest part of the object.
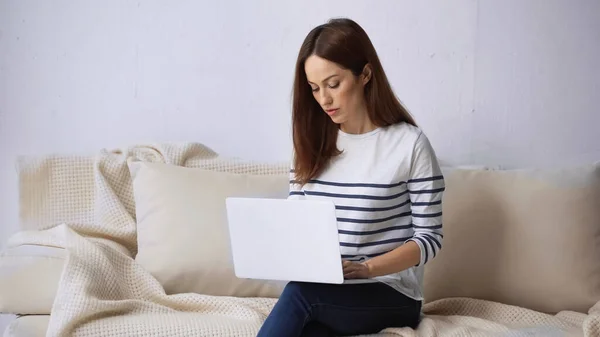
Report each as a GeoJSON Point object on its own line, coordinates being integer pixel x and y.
{"type": "Point", "coordinates": [325, 98]}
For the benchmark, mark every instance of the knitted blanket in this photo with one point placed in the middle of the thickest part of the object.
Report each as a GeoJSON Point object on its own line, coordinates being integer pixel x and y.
{"type": "Point", "coordinates": [86, 206]}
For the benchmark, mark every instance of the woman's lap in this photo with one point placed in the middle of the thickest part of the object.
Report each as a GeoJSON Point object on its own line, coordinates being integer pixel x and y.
{"type": "Point", "coordinates": [348, 309]}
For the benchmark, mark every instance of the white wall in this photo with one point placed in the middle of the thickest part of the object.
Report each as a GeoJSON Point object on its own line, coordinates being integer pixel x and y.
{"type": "Point", "coordinates": [537, 83]}
{"type": "Point", "coordinates": [487, 80]}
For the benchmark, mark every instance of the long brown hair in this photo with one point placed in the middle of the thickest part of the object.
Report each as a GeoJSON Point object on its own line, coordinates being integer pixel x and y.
{"type": "Point", "coordinates": [344, 42]}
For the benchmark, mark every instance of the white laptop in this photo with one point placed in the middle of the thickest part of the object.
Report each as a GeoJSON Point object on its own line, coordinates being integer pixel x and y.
{"type": "Point", "coordinates": [285, 240]}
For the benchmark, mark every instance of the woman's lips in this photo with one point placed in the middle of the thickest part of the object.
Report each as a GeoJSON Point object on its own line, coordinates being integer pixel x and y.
{"type": "Point", "coordinates": [331, 112]}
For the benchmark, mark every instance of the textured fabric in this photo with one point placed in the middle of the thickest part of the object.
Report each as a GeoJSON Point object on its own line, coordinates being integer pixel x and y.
{"type": "Point", "coordinates": [529, 238]}
{"type": "Point", "coordinates": [29, 276]}
{"type": "Point", "coordinates": [387, 187]}
{"type": "Point", "coordinates": [55, 189]}
{"type": "Point", "coordinates": [104, 292]}
{"type": "Point", "coordinates": [182, 230]}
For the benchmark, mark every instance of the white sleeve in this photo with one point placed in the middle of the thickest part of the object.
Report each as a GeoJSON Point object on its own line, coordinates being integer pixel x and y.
{"type": "Point", "coordinates": [426, 187]}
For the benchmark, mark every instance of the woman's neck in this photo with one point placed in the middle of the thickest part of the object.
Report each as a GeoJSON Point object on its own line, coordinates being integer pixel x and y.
{"type": "Point", "coordinates": [357, 127]}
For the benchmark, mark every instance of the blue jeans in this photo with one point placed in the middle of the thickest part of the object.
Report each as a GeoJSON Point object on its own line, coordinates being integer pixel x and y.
{"type": "Point", "coordinates": [315, 309]}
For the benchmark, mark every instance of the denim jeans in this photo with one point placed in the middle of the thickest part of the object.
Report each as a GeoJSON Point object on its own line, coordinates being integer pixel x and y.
{"type": "Point", "coordinates": [315, 309]}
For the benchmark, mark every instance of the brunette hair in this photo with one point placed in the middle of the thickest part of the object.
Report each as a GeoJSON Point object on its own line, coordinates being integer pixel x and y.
{"type": "Point", "coordinates": [344, 42]}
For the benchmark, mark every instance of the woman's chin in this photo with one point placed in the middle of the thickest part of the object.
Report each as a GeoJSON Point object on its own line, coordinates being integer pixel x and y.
{"type": "Point", "coordinates": [336, 119]}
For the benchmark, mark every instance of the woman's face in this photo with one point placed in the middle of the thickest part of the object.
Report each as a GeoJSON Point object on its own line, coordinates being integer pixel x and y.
{"type": "Point", "coordinates": [339, 93]}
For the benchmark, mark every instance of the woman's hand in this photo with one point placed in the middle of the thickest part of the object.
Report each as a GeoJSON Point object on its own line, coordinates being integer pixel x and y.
{"type": "Point", "coordinates": [356, 270]}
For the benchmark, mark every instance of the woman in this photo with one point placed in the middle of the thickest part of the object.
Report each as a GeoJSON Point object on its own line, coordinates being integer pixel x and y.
{"type": "Point", "coordinates": [355, 144]}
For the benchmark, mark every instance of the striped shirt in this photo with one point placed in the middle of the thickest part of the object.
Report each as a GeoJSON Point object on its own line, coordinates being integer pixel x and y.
{"type": "Point", "coordinates": [387, 187]}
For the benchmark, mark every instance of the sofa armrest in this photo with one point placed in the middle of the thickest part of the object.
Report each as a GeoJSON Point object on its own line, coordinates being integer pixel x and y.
{"type": "Point", "coordinates": [29, 277]}
{"type": "Point", "coordinates": [27, 326]}
{"type": "Point", "coordinates": [5, 321]}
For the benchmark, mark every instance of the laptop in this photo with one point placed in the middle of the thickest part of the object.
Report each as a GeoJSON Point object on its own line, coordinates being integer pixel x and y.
{"type": "Point", "coordinates": [285, 240]}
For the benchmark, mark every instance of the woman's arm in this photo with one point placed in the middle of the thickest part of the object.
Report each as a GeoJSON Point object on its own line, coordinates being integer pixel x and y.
{"type": "Point", "coordinates": [426, 187]}
{"type": "Point", "coordinates": [399, 259]}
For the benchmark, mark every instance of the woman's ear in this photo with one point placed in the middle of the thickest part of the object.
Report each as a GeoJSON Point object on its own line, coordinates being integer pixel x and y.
{"type": "Point", "coordinates": [366, 74]}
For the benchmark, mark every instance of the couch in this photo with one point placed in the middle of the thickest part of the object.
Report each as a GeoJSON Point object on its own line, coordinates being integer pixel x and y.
{"type": "Point", "coordinates": [133, 241]}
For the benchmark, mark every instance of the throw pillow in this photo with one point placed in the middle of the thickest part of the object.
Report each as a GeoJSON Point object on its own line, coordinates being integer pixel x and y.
{"type": "Point", "coordinates": [529, 238]}
{"type": "Point", "coordinates": [183, 239]}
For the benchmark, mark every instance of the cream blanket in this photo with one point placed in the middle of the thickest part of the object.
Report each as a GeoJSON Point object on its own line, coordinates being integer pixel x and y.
{"type": "Point", "coordinates": [86, 206]}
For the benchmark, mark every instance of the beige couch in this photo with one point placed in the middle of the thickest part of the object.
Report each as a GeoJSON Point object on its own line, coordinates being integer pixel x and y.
{"type": "Point", "coordinates": [137, 237]}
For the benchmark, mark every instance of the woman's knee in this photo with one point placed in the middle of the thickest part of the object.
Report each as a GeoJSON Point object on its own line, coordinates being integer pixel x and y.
{"type": "Point", "coordinates": [294, 289]}
{"type": "Point", "coordinates": [298, 291]}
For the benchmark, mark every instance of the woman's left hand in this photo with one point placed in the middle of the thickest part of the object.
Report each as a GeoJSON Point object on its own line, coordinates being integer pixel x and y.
{"type": "Point", "coordinates": [356, 270]}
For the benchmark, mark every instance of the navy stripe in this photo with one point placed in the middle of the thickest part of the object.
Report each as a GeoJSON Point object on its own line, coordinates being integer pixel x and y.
{"type": "Point", "coordinates": [419, 180]}
{"type": "Point", "coordinates": [437, 243]}
{"type": "Point", "coordinates": [432, 233]}
{"type": "Point", "coordinates": [387, 229]}
{"type": "Point", "coordinates": [427, 203]}
{"type": "Point", "coordinates": [433, 215]}
{"type": "Point", "coordinates": [374, 185]}
{"type": "Point", "coordinates": [356, 196]}
{"type": "Point", "coordinates": [364, 255]}
{"type": "Point", "coordinates": [425, 247]}
{"type": "Point", "coordinates": [428, 191]}
{"type": "Point", "coordinates": [354, 257]}
{"type": "Point", "coordinates": [410, 181]}
{"type": "Point", "coordinates": [331, 183]}
{"type": "Point", "coordinates": [374, 243]}
{"type": "Point", "coordinates": [428, 227]}
{"type": "Point", "coordinates": [371, 209]}
{"type": "Point", "coordinates": [428, 239]}
{"type": "Point", "coordinates": [395, 216]}
{"type": "Point", "coordinates": [296, 193]}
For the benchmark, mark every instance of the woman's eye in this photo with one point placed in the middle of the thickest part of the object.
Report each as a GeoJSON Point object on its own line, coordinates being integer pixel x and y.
{"type": "Point", "coordinates": [314, 89]}
{"type": "Point", "coordinates": [335, 85]}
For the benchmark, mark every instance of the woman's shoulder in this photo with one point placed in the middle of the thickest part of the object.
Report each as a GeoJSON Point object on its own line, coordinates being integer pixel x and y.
{"type": "Point", "coordinates": [405, 132]}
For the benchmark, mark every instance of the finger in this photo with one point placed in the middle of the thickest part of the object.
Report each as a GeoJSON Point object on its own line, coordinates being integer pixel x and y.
{"type": "Point", "coordinates": [356, 267]}
{"type": "Point", "coordinates": [350, 268]}
{"type": "Point", "coordinates": [352, 275]}
{"type": "Point", "coordinates": [355, 275]}
{"type": "Point", "coordinates": [347, 265]}
{"type": "Point", "coordinates": [351, 271]}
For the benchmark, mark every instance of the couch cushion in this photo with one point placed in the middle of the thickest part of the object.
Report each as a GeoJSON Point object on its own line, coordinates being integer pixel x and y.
{"type": "Point", "coordinates": [524, 237]}
{"type": "Point", "coordinates": [182, 231]}
{"type": "Point", "coordinates": [29, 277]}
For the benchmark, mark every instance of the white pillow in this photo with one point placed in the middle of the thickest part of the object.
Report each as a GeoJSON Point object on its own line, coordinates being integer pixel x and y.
{"type": "Point", "coordinates": [29, 277]}
{"type": "Point", "coordinates": [183, 239]}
